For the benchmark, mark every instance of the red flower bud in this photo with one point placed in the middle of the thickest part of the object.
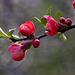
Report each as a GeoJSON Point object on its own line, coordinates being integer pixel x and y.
{"type": "Point", "coordinates": [36, 43]}
{"type": "Point", "coordinates": [68, 21]}
{"type": "Point", "coordinates": [52, 25]}
{"type": "Point", "coordinates": [74, 3]}
{"type": "Point", "coordinates": [27, 29]}
{"type": "Point", "coordinates": [62, 20]}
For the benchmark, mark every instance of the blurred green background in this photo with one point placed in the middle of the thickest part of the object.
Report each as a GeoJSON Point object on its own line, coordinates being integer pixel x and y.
{"type": "Point", "coordinates": [53, 57]}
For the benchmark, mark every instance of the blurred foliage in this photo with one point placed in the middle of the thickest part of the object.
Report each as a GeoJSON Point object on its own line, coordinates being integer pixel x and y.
{"type": "Point", "coordinates": [53, 57]}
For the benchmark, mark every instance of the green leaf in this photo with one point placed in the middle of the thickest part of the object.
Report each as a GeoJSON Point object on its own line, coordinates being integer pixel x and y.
{"type": "Point", "coordinates": [58, 15]}
{"type": "Point", "coordinates": [11, 31]}
{"type": "Point", "coordinates": [63, 37]}
{"type": "Point", "coordinates": [44, 21]}
{"type": "Point", "coordinates": [49, 11]}
{"type": "Point", "coordinates": [38, 20]}
{"type": "Point", "coordinates": [2, 33]}
{"type": "Point", "coordinates": [19, 34]}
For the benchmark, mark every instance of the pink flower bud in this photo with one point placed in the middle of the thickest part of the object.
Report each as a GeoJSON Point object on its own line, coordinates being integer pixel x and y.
{"type": "Point", "coordinates": [17, 52]}
{"type": "Point", "coordinates": [27, 29]}
{"type": "Point", "coordinates": [52, 25]}
{"type": "Point", "coordinates": [36, 43]}
{"type": "Point", "coordinates": [62, 20]}
{"type": "Point", "coordinates": [74, 3]}
{"type": "Point", "coordinates": [68, 21]}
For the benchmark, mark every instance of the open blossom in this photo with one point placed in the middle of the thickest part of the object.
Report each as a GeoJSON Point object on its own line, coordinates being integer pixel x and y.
{"type": "Point", "coordinates": [17, 52]}
{"type": "Point", "coordinates": [52, 25]}
{"type": "Point", "coordinates": [27, 29]}
{"type": "Point", "coordinates": [74, 3]}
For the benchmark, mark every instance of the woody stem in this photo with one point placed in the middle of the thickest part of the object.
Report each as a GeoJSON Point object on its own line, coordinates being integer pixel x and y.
{"type": "Point", "coordinates": [43, 35]}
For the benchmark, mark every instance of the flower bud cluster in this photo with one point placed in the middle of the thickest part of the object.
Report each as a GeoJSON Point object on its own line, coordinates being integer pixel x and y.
{"type": "Point", "coordinates": [64, 22]}
{"type": "Point", "coordinates": [67, 21]}
{"type": "Point", "coordinates": [18, 51]}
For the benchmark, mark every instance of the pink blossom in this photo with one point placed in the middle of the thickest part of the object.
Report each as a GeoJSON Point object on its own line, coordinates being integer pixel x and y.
{"type": "Point", "coordinates": [52, 25]}
{"type": "Point", "coordinates": [17, 52]}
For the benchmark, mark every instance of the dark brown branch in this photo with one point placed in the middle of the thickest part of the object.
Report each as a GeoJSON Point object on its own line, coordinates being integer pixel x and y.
{"type": "Point", "coordinates": [15, 40]}
{"type": "Point", "coordinates": [25, 38]}
{"type": "Point", "coordinates": [66, 29]}
{"type": "Point", "coordinates": [40, 36]}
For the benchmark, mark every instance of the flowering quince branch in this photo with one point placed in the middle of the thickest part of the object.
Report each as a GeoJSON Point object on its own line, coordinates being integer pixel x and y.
{"type": "Point", "coordinates": [53, 26]}
{"type": "Point", "coordinates": [15, 40]}
{"type": "Point", "coordinates": [25, 38]}
{"type": "Point", "coordinates": [43, 35]}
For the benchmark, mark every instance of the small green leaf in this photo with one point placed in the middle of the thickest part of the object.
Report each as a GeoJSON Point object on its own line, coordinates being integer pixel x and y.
{"type": "Point", "coordinates": [15, 37]}
{"type": "Point", "coordinates": [38, 20]}
{"type": "Point", "coordinates": [2, 33]}
{"type": "Point", "coordinates": [43, 21]}
{"type": "Point", "coordinates": [63, 37]}
{"type": "Point", "coordinates": [19, 34]}
{"type": "Point", "coordinates": [11, 31]}
{"type": "Point", "coordinates": [58, 15]}
{"type": "Point", "coordinates": [49, 11]}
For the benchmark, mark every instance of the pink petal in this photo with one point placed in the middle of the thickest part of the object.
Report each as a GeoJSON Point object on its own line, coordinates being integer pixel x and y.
{"type": "Point", "coordinates": [30, 25]}
{"type": "Point", "coordinates": [19, 55]}
{"type": "Point", "coordinates": [46, 16]}
{"type": "Point", "coordinates": [25, 30]}
{"type": "Point", "coordinates": [53, 25]}
{"type": "Point", "coordinates": [14, 47]}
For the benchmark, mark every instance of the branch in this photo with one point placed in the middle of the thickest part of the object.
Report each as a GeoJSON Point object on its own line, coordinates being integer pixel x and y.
{"type": "Point", "coordinates": [40, 36]}
{"type": "Point", "coordinates": [25, 38]}
{"type": "Point", "coordinates": [43, 35]}
{"type": "Point", "coordinates": [67, 28]}
{"type": "Point", "coordinates": [15, 40]}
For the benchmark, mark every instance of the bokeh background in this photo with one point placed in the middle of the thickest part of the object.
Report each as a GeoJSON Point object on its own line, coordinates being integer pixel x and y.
{"type": "Point", "coordinates": [53, 57]}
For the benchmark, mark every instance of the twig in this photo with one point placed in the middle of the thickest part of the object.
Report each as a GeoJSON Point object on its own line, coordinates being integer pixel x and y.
{"type": "Point", "coordinates": [66, 29]}
{"type": "Point", "coordinates": [43, 35]}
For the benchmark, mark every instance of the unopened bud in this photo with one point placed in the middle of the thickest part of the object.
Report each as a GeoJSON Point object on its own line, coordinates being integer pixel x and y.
{"type": "Point", "coordinates": [36, 43]}
{"type": "Point", "coordinates": [68, 21]}
{"type": "Point", "coordinates": [62, 20]}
